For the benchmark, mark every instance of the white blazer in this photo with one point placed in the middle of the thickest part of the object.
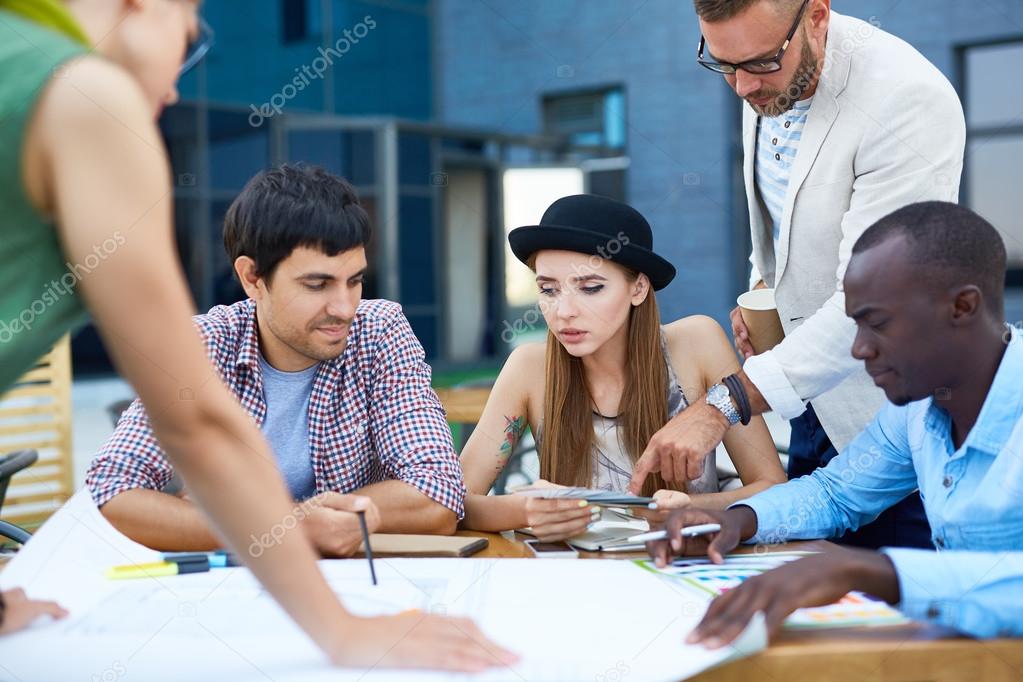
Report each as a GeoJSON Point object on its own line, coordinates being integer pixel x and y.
{"type": "Point", "coordinates": [886, 129]}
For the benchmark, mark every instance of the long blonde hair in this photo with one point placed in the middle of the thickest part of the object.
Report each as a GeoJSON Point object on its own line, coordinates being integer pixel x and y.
{"type": "Point", "coordinates": [567, 438]}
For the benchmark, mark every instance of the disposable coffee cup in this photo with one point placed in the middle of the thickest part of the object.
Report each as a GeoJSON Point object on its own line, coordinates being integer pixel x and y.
{"type": "Point", "coordinates": [760, 314]}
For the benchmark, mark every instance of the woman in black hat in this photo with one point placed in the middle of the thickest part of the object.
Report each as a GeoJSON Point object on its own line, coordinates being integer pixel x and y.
{"type": "Point", "coordinates": [608, 377]}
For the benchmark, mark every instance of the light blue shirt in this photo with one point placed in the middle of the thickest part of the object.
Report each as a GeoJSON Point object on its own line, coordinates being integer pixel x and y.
{"type": "Point", "coordinates": [973, 497]}
{"type": "Point", "coordinates": [286, 425]}
{"type": "Point", "coordinates": [777, 143]}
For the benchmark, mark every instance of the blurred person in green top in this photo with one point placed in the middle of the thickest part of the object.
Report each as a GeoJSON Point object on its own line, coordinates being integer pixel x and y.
{"type": "Point", "coordinates": [86, 199]}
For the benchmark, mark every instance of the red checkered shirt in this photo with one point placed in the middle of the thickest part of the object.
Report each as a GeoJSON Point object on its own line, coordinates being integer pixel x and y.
{"type": "Point", "coordinates": [373, 415]}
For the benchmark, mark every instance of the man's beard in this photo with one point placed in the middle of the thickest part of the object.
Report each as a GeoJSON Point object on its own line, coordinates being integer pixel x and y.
{"type": "Point", "coordinates": [802, 79]}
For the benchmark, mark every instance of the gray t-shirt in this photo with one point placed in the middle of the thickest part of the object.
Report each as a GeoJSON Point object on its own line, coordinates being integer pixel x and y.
{"type": "Point", "coordinates": [286, 426]}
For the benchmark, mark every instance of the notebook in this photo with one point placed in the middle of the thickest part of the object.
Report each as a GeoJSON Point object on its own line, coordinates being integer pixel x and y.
{"type": "Point", "coordinates": [399, 545]}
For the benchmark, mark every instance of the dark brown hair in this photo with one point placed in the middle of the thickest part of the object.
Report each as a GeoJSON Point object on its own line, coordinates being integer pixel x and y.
{"type": "Point", "coordinates": [290, 206]}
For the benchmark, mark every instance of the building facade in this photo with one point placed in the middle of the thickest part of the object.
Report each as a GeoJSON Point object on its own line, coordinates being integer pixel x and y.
{"type": "Point", "coordinates": [459, 119]}
{"type": "Point", "coordinates": [501, 65]}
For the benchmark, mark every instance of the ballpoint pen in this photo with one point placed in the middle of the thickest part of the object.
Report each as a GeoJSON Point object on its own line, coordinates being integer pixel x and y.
{"type": "Point", "coordinates": [689, 532]}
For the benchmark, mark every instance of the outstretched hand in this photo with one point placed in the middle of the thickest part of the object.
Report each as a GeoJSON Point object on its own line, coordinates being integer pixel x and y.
{"type": "Point", "coordinates": [679, 449]}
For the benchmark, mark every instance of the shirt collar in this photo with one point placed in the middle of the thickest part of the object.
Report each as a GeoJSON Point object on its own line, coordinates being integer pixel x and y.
{"type": "Point", "coordinates": [248, 346]}
{"type": "Point", "coordinates": [1002, 407]}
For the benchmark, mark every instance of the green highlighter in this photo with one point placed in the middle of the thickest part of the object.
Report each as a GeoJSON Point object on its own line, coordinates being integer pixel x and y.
{"type": "Point", "coordinates": [174, 563]}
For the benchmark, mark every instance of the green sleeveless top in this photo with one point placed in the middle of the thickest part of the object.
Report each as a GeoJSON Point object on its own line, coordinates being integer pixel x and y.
{"type": "Point", "coordinates": [39, 301]}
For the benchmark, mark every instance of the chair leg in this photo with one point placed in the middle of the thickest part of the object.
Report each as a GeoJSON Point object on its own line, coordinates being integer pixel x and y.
{"type": "Point", "coordinates": [16, 533]}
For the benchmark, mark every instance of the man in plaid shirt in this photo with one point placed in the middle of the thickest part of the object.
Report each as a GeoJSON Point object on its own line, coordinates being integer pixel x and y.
{"type": "Point", "coordinates": [339, 386]}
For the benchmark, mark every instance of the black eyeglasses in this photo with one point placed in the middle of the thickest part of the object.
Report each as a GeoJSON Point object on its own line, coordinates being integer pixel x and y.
{"type": "Point", "coordinates": [754, 65]}
{"type": "Point", "coordinates": [198, 48]}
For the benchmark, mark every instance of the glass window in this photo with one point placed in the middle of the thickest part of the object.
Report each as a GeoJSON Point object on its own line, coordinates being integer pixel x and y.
{"type": "Point", "coordinates": [415, 160]}
{"type": "Point", "coordinates": [178, 125]}
{"type": "Point", "coordinates": [370, 281]}
{"type": "Point", "coordinates": [994, 116]}
{"type": "Point", "coordinates": [416, 250]}
{"type": "Point", "coordinates": [527, 194]}
{"type": "Point", "coordinates": [294, 20]}
{"type": "Point", "coordinates": [351, 155]}
{"type": "Point", "coordinates": [237, 150]}
{"type": "Point", "coordinates": [359, 159]}
{"type": "Point", "coordinates": [990, 99]}
{"type": "Point", "coordinates": [314, 20]}
{"type": "Point", "coordinates": [186, 226]}
{"type": "Point", "coordinates": [317, 148]}
{"type": "Point", "coordinates": [608, 183]}
{"type": "Point", "coordinates": [993, 188]}
{"type": "Point", "coordinates": [587, 119]}
{"type": "Point", "coordinates": [225, 287]}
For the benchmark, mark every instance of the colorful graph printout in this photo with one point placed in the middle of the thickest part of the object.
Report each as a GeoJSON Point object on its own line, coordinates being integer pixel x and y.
{"type": "Point", "coordinates": [853, 610]}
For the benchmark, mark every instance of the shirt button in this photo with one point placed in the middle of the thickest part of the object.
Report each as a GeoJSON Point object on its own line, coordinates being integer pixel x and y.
{"type": "Point", "coordinates": [774, 141]}
{"type": "Point", "coordinates": [940, 542]}
{"type": "Point", "coordinates": [777, 157]}
{"type": "Point", "coordinates": [947, 481]}
{"type": "Point", "coordinates": [788, 123]}
{"type": "Point", "coordinates": [933, 611]}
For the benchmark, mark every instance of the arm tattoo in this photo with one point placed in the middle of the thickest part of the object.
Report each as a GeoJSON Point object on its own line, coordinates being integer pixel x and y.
{"type": "Point", "coordinates": [514, 427]}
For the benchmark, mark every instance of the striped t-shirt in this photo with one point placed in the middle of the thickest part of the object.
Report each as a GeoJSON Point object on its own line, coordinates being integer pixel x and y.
{"type": "Point", "coordinates": [777, 140]}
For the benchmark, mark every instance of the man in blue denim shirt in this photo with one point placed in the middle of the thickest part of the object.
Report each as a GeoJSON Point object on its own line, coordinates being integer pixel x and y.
{"type": "Point", "coordinates": [925, 289]}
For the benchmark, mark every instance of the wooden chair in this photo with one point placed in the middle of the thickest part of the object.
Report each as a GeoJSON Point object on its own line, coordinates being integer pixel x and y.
{"type": "Point", "coordinates": [464, 405]}
{"type": "Point", "coordinates": [35, 414]}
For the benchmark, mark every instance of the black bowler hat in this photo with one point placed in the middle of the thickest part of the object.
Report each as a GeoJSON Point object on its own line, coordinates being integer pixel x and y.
{"type": "Point", "coordinates": [587, 223]}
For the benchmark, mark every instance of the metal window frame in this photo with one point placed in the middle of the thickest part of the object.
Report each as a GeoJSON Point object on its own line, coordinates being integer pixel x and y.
{"type": "Point", "coordinates": [592, 90]}
{"type": "Point", "coordinates": [1014, 276]}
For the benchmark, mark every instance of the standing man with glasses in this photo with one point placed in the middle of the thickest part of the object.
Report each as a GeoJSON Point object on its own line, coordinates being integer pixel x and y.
{"type": "Point", "coordinates": [842, 124]}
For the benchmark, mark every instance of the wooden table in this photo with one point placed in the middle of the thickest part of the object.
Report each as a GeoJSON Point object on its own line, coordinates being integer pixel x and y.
{"type": "Point", "coordinates": [902, 653]}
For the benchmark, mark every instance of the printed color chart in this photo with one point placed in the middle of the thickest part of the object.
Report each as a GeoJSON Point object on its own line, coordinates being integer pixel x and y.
{"type": "Point", "coordinates": [854, 609]}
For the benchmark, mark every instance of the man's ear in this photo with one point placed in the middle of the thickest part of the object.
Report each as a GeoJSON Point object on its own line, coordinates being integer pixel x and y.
{"type": "Point", "coordinates": [820, 17]}
{"type": "Point", "coordinates": [640, 289]}
{"type": "Point", "coordinates": [245, 269]}
{"type": "Point", "coordinates": [966, 305]}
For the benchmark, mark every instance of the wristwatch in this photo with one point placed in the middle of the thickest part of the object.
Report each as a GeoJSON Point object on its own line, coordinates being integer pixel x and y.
{"type": "Point", "coordinates": [720, 397]}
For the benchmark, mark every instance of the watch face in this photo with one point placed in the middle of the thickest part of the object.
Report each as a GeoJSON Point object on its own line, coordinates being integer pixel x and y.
{"type": "Point", "coordinates": [717, 392]}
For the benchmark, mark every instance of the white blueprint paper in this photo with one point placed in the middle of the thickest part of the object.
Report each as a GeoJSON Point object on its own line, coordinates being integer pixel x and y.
{"type": "Point", "coordinates": [568, 619]}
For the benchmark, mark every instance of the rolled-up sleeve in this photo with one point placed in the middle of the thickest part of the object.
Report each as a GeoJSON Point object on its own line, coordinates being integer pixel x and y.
{"type": "Point", "coordinates": [768, 375]}
{"type": "Point", "coordinates": [410, 430]}
{"type": "Point", "coordinates": [977, 593]}
{"type": "Point", "coordinates": [870, 475]}
{"type": "Point", "coordinates": [131, 458]}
